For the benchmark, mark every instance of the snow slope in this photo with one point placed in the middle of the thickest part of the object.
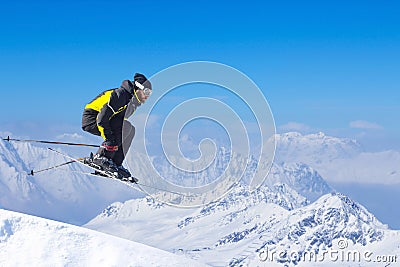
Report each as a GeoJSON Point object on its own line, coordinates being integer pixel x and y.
{"type": "Point", "coordinates": [31, 241]}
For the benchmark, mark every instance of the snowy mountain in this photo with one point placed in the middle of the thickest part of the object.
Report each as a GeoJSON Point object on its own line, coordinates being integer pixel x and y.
{"type": "Point", "coordinates": [339, 159]}
{"type": "Point", "coordinates": [279, 216]}
{"type": "Point", "coordinates": [322, 224]}
{"type": "Point", "coordinates": [31, 241]}
{"type": "Point", "coordinates": [191, 232]}
{"type": "Point", "coordinates": [66, 195]}
{"type": "Point", "coordinates": [301, 177]}
{"type": "Point", "coordinates": [235, 230]}
{"type": "Point", "coordinates": [315, 148]}
{"type": "Point", "coordinates": [62, 194]}
{"type": "Point", "coordinates": [224, 160]}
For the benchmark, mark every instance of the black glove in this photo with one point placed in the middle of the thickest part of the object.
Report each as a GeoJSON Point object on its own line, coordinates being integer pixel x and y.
{"type": "Point", "coordinates": [110, 145]}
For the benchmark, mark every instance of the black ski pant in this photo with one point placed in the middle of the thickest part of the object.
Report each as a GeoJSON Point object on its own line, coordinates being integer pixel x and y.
{"type": "Point", "coordinates": [123, 131]}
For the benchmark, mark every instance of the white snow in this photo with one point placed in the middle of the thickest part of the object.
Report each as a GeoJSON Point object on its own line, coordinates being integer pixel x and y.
{"type": "Point", "coordinates": [31, 241]}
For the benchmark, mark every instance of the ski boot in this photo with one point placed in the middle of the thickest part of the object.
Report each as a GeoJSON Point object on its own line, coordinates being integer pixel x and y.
{"type": "Point", "coordinates": [123, 171]}
{"type": "Point", "coordinates": [126, 175]}
{"type": "Point", "coordinates": [106, 165]}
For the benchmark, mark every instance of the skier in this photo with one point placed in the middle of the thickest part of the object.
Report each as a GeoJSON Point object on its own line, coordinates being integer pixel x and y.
{"type": "Point", "coordinates": [104, 116]}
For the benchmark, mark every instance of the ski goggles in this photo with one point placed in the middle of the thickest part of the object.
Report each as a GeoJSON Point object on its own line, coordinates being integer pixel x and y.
{"type": "Point", "coordinates": [146, 91]}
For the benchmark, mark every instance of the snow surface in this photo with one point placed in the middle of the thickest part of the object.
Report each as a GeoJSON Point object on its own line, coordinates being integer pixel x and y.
{"type": "Point", "coordinates": [31, 241]}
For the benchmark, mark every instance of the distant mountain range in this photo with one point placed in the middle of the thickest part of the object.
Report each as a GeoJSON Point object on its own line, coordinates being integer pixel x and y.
{"type": "Point", "coordinates": [237, 229]}
{"type": "Point", "coordinates": [339, 159]}
{"type": "Point", "coordinates": [294, 210]}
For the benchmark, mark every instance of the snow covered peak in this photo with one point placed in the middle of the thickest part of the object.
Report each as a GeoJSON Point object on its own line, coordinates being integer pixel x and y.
{"type": "Point", "coordinates": [338, 159]}
{"type": "Point", "coordinates": [317, 147]}
{"type": "Point", "coordinates": [349, 208]}
{"type": "Point", "coordinates": [14, 185]}
{"type": "Point", "coordinates": [338, 214]}
{"type": "Point", "coordinates": [318, 227]}
{"type": "Point", "coordinates": [302, 178]}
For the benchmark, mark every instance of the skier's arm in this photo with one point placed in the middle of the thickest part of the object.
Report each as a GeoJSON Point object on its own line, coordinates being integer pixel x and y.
{"type": "Point", "coordinates": [115, 105]}
{"type": "Point", "coordinates": [103, 123]}
{"type": "Point", "coordinates": [131, 108]}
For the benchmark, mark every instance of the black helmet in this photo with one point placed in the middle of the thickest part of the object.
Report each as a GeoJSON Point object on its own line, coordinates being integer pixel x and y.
{"type": "Point", "coordinates": [140, 82]}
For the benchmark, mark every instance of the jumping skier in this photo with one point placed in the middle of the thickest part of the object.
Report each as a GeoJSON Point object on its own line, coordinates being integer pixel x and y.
{"type": "Point", "coordinates": [104, 116]}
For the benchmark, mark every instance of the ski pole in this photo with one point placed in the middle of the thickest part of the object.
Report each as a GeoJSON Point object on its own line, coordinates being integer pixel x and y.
{"type": "Point", "coordinates": [32, 172]}
{"type": "Point", "coordinates": [48, 142]}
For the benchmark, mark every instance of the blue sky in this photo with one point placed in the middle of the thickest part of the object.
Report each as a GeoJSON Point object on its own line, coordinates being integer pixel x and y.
{"type": "Point", "coordinates": [327, 66]}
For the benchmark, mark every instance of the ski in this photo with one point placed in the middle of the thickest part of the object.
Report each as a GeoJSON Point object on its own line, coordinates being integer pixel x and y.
{"type": "Point", "coordinates": [98, 170]}
{"type": "Point", "coordinates": [130, 184]}
{"type": "Point", "coordinates": [106, 174]}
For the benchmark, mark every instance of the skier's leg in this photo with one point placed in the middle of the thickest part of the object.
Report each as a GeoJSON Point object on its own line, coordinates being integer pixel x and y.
{"type": "Point", "coordinates": [116, 127]}
{"type": "Point", "coordinates": [128, 133]}
{"type": "Point", "coordinates": [124, 135]}
{"type": "Point", "coordinates": [103, 158]}
{"type": "Point", "coordinates": [89, 123]}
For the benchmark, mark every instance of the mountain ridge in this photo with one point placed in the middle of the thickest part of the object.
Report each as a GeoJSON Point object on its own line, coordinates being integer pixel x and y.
{"type": "Point", "coordinates": [232, 227]}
